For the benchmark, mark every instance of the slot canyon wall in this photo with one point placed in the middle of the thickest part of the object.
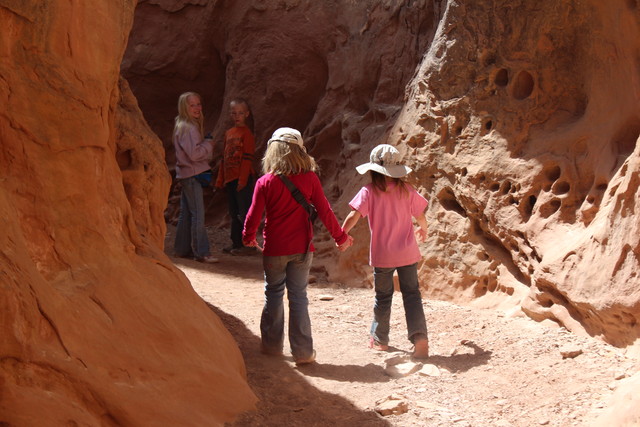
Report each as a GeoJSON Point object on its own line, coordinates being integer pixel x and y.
{"type": "Point", "coordinates": [97, 326]}
{"type": "Point", "coordinates": [520, 121]}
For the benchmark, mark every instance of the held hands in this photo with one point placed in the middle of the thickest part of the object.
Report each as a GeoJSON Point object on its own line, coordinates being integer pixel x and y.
{"type": "Point", "coordinates": [252, 244]}
{"type": "Point", "coordinates": [346, 244]}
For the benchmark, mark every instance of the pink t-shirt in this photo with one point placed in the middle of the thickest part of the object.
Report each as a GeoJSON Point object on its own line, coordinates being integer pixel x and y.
{"type": "Point", "coordinates": [393, 242]}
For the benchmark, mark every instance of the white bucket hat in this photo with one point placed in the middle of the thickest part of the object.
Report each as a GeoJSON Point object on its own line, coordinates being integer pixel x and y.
{"type": "Point", "coordinates": [385, 159]}
{"type": "Point", "coordinates": [288, 135]}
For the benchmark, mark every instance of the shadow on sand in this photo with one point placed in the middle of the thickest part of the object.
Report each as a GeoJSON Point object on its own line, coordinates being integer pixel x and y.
{"type": "Point", "coordinates": [286, 398]}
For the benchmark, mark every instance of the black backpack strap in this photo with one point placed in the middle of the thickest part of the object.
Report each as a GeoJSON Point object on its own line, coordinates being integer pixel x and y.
{"type": "Point", "coordinates": [299, 197]}
{"type": "Point", "coordinates": [308, 207]}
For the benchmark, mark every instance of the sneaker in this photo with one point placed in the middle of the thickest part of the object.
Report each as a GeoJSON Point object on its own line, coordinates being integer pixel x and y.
{"type": "Point", "coordinates": [230, 249]}
{"type": "Point", "coordinates": [270, 351]}
{"type": "Point", "coordinates": [208, 259]}
{"type": "Point", "coordinates": [377, 345]}
{"type": "Point", "coordinates": [245, 250]}
{"type": "Point", "coordinates": [420, 348]}
{"type": "Point", "coordinates": [306, 360]}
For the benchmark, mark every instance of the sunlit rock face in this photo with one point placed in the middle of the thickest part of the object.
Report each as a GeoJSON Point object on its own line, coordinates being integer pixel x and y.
{"type": "Point", "coordinates": [98, 327]}
{"type": "Point", "coordinates": [521, 124]}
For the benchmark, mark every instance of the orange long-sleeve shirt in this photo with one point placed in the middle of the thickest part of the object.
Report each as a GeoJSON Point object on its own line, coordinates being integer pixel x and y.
{"type": "Point", "coordinates": [237, 161]}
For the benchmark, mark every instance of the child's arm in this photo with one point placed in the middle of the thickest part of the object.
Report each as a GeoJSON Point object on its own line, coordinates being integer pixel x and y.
{"type": "Point", "coordinates": [246, 161]}
{"type": "Point", "coordinates": [422, 231]}
{"type": "Point", "coordinates": [351, 220]}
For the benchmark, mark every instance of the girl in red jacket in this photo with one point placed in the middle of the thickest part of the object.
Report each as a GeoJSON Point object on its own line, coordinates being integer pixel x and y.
{"type": "Point", "coordinates": [287, 234]}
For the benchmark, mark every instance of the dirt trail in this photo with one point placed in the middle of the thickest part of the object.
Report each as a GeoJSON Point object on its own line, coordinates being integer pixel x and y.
{"type": "Point", "coordinates": [485, 369]}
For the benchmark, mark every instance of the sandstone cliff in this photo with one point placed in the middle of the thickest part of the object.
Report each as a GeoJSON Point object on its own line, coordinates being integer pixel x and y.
{"type": "Point", "coordinates": [520, 121]}
{"type": "Point", "coordinates": [98, 327]}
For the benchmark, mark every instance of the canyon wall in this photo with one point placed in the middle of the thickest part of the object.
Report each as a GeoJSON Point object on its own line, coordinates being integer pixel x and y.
{"type": "Point", "coordinates": [521, 123]}
{"type": "Point", "coordinates": [98, 327]}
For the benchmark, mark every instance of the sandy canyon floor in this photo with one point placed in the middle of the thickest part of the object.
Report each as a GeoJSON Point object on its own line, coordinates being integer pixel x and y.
{"type": "Point", "coordinates": [485, 368]}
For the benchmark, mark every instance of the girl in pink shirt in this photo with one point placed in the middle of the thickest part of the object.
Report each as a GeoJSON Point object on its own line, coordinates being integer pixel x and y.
{"type": "Point", "coordinates": [390, 204]}
{"type": "Point", "coordinates": [287, 233]}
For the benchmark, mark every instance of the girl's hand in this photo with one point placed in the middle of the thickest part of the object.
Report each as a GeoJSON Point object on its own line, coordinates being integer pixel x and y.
{"type": "Point", "coordinates": [346, 244]}
{"type": "Point", "coordinates": [252, 243]}
{"type": "Point", "coordinates": [421, 235]}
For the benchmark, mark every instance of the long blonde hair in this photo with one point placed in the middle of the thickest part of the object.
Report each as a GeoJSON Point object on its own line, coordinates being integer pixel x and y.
{"type": "Point", "coordinates": [183, 118]}
{"type": "Point", "coordinates": [282, 158]}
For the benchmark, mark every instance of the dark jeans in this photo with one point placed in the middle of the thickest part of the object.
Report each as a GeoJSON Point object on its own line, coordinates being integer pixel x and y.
{"type": "Point", "coordinates": [239, 203]}
{"type": "Point", "coordinates": [411, 298]}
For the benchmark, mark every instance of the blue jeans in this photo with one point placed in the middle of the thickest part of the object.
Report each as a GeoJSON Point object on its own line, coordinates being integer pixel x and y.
{"type": "Point", "coordinates": [239, 203]}
{"type": "Point", "coordinates": [292, 272]}
{"type": "Point", "coordinates": [191, 236]}
{"type": "Point", "coordinates": [411, 298]}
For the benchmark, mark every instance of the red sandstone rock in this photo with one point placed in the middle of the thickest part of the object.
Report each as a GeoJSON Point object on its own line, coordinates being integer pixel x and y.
{"type": "Point", "coordinates": [98, 327]}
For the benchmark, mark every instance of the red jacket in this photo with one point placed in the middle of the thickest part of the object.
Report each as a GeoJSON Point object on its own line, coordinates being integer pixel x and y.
{"type": "Point", "coordinates": [286, 227]}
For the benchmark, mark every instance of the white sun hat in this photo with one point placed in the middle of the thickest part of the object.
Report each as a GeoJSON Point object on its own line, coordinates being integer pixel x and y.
{"type": "Point", "coordinates": [288, 135]}
{"type": "Point", "coordinates": [385, 159]}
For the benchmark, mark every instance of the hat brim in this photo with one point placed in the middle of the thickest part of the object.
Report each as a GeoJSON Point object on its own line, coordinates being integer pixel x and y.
{"type": "Point", "coordinates": [393, 171]}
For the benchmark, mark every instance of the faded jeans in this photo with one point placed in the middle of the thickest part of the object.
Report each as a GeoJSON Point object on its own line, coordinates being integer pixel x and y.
{"type": "Point", "coordinates": [191, 236]}
{"type": "Point", "coordinates": [411, 298]}
{"type": "Point", "coordinates": [290, 272]}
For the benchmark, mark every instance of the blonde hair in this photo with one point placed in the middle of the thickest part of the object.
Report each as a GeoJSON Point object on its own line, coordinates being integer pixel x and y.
{"type": "Point", "coordinates": [183, 118]}
{"type": "Point", "coordinates": [282, 158]}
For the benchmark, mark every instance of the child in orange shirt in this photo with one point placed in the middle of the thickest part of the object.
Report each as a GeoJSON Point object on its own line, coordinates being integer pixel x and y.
{"type": "Point", "coordinates": [236, 173]}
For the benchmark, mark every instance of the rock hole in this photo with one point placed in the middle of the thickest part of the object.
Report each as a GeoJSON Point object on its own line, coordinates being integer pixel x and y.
{"type": "Point", "coordinates": [550, 208]}
{"type": "Point", "coordinates": [506, 187]}
{"type": "Point", "coordinates": [463, 172]}
{"type": "Point", "coordinates": [448, 201]}
{"type": "Point", "coordinates": [562, 187]}
{"type": "Point", "coordinates": [488, 125]}
{"type": "Point", "coordinates": [494, 187]}
{"type": "Point", "coordinates": [124, 159]}
{"type": "Point", "coordinates": [553, 173]}
{"type": "Point", "coordinates": [522, 85]}
{"type": "Point", "coordinates": [529, 203]}
{"type": "Point", "coordinates": [502, 77]}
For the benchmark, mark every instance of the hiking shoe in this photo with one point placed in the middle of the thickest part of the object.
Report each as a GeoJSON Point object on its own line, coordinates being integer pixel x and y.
{"type": "Point", "coordinates": [306, 360]}
{"type": "Point", "coordinates": [270, 351]}
{"type": "Point", "coordinates": [377, 345]}
{"type": "Point", "coordinates": [420, 348]}
{"type": "Point", "coordinates": [208, 259]}
{"type": "Point", "coordinates": [245, 250]}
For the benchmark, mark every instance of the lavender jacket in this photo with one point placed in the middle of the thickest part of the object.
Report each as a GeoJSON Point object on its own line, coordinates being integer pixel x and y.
{"type": "Point", "coordinates": [193, 154]}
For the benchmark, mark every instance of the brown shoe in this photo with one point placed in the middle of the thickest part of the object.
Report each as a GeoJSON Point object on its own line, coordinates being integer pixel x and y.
{"type": "Point", "coordinates": [306, 360]}
{"type": "Point", "coordinates": [420, 348]}
{"type": "Point", "coordinates": [208, 259]}
{"type": "Point", "coordinates": [270, 351]}
{"type": "Point", "coordinates": [377, 345]}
